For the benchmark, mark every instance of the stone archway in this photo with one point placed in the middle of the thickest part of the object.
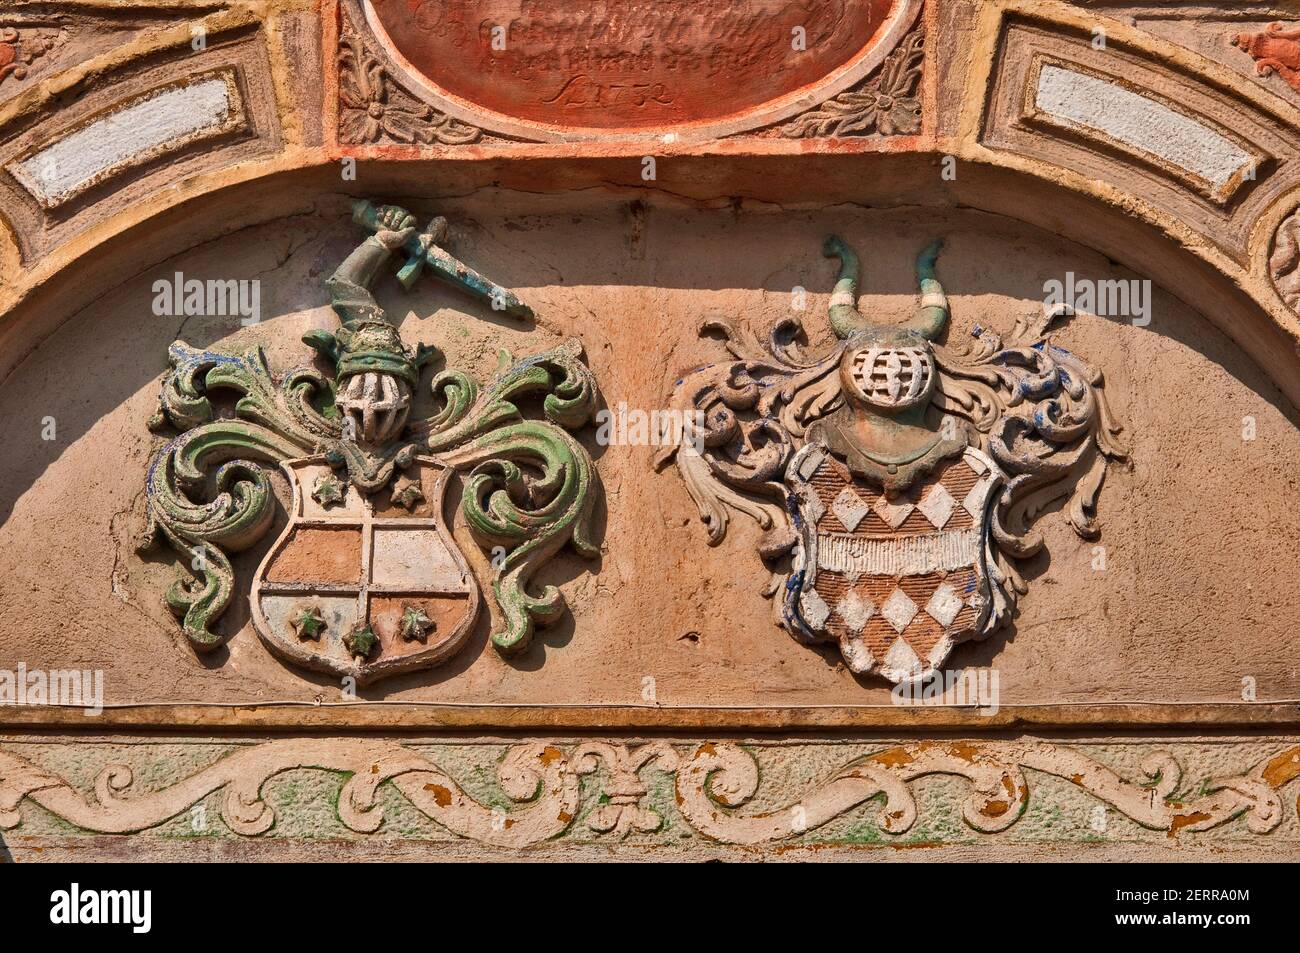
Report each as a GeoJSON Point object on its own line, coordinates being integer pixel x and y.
{"type": "Point", "coordinates": [1134, 153]}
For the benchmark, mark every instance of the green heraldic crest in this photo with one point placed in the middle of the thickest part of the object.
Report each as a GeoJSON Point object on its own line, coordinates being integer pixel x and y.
{"type": "Point", "coordinates": [366, 579]}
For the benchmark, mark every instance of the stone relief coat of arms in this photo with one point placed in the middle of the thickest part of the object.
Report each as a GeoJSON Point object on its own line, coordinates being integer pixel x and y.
{"type": "Point", "coordinates": [899, 479]}
{"type": "Point", "coordinates": [366, 580]}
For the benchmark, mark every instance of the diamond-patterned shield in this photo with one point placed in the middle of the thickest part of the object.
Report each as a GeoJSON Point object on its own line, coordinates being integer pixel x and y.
{"type": "Point", "coordinates": [366, 586]}
{"type": "Point", "coordinates": [896, 581]}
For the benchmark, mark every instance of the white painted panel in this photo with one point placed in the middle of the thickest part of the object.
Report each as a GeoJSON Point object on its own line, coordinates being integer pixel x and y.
{"type": "Point", "coordinates": [136, 132]}
{"type": "Point", "coordinates": [415, 558]}
{"type": "Point", "coordinates": [1139, 122]}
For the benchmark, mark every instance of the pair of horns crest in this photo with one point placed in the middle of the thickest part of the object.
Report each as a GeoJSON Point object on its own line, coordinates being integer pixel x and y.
{"type": "Point", "coordinates": [846, 320]}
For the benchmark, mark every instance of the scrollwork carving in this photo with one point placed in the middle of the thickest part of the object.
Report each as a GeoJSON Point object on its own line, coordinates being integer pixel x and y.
{"type": "Point", "coordinates": [528, 484]}
{"type": "Point", "coordinates": [714, 782]}
{"type": "Point", "coordinates": [885, 103]}
{"type": "Point", "coordinates": [374, 109]}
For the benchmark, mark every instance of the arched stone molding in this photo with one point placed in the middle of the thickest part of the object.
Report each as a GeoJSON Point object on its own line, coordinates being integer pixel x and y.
{"type": "Point", "coordinates": [293, 150]}
{"type": "Point", "coordinates": [975, 153]}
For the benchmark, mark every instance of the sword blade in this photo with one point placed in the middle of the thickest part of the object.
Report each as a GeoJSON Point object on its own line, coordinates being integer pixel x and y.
{"type": "Point", "coordinates": [444, 266]}
{"type": "Point", "coordinates": [456, 272]}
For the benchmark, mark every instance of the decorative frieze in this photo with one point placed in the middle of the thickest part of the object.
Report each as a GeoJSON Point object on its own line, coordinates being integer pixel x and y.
{"type": "Point", "coordinates": [662, 793]}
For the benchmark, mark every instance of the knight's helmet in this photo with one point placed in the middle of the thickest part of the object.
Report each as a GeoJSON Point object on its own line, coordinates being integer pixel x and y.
{"type": "Point", "coordinates": [377, 373]}
{"type": "Point", "coordinates": [887, 368]}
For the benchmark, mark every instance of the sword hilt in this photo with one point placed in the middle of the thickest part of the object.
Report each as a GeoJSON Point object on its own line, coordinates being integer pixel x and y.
{"type": "Point", "coordinates": [367, 213]}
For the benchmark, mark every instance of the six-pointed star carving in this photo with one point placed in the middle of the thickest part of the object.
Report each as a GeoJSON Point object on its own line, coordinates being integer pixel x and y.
{"type": "Point", "coordinates": [416, 624]}
{"type": "Point", "coordinates": [308, 623]}
{"type": "Point", "coordinates": [407, 491]}
{"type": "Point", "coordinates": [328, 490]}
{"type": "Point", "coordinates": [360, 640]}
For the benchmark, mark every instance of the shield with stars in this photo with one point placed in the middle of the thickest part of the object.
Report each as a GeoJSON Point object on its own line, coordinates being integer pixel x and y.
{"type": "Point", "coordinates": [896, 581]}
{"type": "Point", "coordinates": [365, 586]}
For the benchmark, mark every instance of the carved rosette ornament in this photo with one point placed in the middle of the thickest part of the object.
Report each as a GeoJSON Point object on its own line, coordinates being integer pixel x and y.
{"type": "Point", "coordinates": [366, 580]}
{"type": "Point", "coordinates": [885, 103]}
{"type": "Point", "coordinates": [901, 478]}
{"type": "Point", "coordinates": [374, 110]}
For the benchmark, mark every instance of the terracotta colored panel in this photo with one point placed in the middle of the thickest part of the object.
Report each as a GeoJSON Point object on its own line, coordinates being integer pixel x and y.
{"type": "Point", "coordinates": [319, 556]}
{"type": "Point", "coordinates": [632, 64]}
{"type": "Point", "coordinates": [447, 613]}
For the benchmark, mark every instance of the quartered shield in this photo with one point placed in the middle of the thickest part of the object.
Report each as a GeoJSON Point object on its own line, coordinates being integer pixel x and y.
{"type": "Point", "coordinates": [365, 585]}
{"type": "Point", "coordinates": [897, 582]}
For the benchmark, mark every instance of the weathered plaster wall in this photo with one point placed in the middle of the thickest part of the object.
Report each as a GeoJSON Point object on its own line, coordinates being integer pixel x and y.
{"type": "Point", "coordinates": [1146, 710]}
{"type": "Point", "coordinates": [1193, 596]}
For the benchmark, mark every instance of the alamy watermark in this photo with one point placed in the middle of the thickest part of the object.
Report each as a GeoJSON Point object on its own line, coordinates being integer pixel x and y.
{"type": "Point", "coordinates": [635, 427]}
{"type": "Point", "coordinates": [178, 296]}
{"type": "Point", "coordinates": [73, 688]}
{"type": "Point", "coordinates": [76, 906]}
{"type": "Point", "coordinates": [1106, 298]}
{"type": "Point", "coordinates": [962, 688]}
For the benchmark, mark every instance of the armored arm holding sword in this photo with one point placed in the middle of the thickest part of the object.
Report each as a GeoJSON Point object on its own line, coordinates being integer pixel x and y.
{"type": "Point", "coordinates": [376, 371]}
